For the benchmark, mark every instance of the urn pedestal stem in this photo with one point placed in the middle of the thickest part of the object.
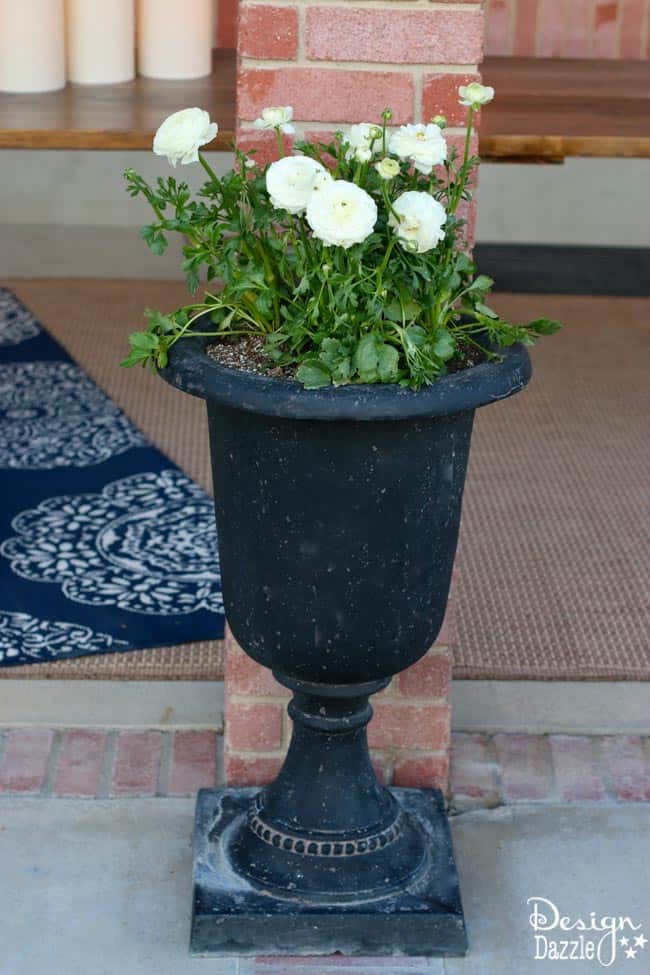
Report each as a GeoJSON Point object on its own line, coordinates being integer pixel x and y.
{"type": "Point", "coordinates": [325, 829]}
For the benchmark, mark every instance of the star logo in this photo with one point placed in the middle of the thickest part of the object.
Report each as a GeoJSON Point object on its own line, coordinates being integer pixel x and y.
{"type": "Point", "coordinates": [641, 941]}
{"type": "Point", "coordinates": [623, 942]}
{"type": "Point", "coordinates": [630, 953]}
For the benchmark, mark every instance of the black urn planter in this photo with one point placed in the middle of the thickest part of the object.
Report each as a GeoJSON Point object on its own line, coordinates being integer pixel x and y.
{"type": "Point", "coordinates": [337, 513]}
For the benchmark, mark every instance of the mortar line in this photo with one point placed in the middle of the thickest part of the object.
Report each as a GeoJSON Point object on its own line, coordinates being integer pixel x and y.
{"type": "Point", "coordinates": [601, 768]}
{"type": "Point", "coordinates": [164, 767]}
{"type": "Point", "coordinates": [4, 737]}
{"type": "Point", "coordinates": [108, 765]}
{"type": "Point", "coordinates": [433, 5]}
{"type": "Point", "coordinates": [418, 85]}
{"type": "Point", "coordinates": [401, 67]}
{"type": "Point", "coordinates": [220, 771]}
{"type": "Point", "coordinates": [493, 757]}
{"type": "Point", "coordinates": [619, 28]}
{"type": "Point", "coordinates": [52, 763]}
{"type": "Point", "coordinates": [302, 32]}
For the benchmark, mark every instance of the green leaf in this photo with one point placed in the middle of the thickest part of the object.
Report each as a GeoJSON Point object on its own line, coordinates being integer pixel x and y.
{"type": "Point", "coordinates": [415, 337]}
{"type": "Point", "coordinates": [155, 239]}
{"type": "Point", "coordinates": [134, 358]}
{"type": "Point", "coordinates": [264, 302]}
{"type": "Point", "coordinates": [544, 326]}
{"type": "Point", "coordinates": [342, 371]}
{"type": "Point", "coordinates": [464, 264]}
{"type": "Point", "coordinates": [192, 280]}
{"type": "Point", "coordinates": [144, 341]}
{"type": "Point", "coordinates": [366, 359]}
{"type": "Point", "coordinates": [443, 345]}
{"type": "Point", "coordinates": [388, 363]}
{"type": "Point", "coordinates": [399, 311]}
{"type": "Point", "coordinates": [313, 374]}
{"type": "Point", "coordinates": [485, 310]}
{"type": "Point", "coordinates": [335, 356]}
{"type": "Point", "coordinates": [481, 283]}
{"type": "Point", "coordinates": [157, 322]}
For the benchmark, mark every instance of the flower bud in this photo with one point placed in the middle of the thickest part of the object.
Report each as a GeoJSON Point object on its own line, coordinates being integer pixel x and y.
{"type": "Point", "coordinates": [474, 95]}
{"type": "Point", "coordinates": [387, 168]}
{"type": "Point", "coordinates": [440, 121]}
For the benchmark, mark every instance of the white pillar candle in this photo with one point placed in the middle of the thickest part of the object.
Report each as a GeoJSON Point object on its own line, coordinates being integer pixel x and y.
{"type": "Point", "coordinates": [32, 45]}
{"type": "Point", "coordinates": [174, 38]}
{"type": "Point", "coordinates": [100, 38]}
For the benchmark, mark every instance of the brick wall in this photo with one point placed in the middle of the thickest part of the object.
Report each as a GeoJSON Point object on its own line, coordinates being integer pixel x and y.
{"type": "Point", "coordinates": [569, 28]}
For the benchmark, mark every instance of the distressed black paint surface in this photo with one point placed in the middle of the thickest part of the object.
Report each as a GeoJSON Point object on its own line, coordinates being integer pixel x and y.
{"type": "Point", "coordinates": [338, 513]}
{"type": "Point", "coordinates": [231, 917]}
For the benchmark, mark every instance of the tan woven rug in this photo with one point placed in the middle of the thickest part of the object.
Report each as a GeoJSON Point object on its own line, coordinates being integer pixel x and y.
{"type": "Point", "coordinates": [554, 562]}
{"type": "Point", "coordinates": [555, 553]}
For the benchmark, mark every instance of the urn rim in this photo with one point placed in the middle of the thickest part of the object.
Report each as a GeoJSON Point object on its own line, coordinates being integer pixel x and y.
{"type": "Point", "coordinates": [193, 371]}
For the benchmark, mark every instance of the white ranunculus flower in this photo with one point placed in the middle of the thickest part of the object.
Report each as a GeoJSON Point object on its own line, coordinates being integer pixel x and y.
{"type": "Point", "coordinates": [387, 168]}
{"type": "Point", "coordinates": [474, 95]}
{"type": "Point", "coordinates": [290, 182]}
{"type": "Point", "coordinates": [182, 134]}
{"type": "Point", "coordinates": [363, 141]}
{"type": "Point", "coordinates": [424, 145]}
{"type": "Point", "coordinates": [421, 221]}
{"type": "Point", "coordinates": [322, 178]}
{"type": "Point", "coordinates": [342, 214]}
{"type": "Point", "coordinates": [276, 117]}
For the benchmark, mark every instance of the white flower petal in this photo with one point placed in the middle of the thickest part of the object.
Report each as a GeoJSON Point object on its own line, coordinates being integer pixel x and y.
{"type": "Point", "coordinates": [181, 135]}
{"type": "Point", "coordinates": [418, 221]}
{"type": "Point", "coordinates": [363, 141]}
{"type": "Point", "coordinates": [290, 182]}
{"type": "Point", "coordinates": [275, 117]}
{"type": "Point", "coordinates": [341, 214]}
{"type": "Point", "coordinates": [423, 145]}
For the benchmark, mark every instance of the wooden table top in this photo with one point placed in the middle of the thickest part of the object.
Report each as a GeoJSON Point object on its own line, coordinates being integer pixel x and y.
{"type": "Point", "coordinates": [545, 109]}
{"type": "Point", "coordinates": [122, 116]}
{"type": "Point", "coordinates": [549, 108]}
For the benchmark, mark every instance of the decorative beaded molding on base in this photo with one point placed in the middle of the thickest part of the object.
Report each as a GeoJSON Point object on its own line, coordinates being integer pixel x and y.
{"type": "Point", "coordinates": [321, 848]}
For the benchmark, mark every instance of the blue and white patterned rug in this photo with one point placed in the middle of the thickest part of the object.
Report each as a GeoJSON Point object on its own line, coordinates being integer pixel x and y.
{"type": "Point", "coordinates": [105, 545]}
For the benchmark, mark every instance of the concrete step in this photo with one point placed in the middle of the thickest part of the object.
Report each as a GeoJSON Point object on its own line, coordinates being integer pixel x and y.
{"type": "Point", "coordinates": [538, 707]}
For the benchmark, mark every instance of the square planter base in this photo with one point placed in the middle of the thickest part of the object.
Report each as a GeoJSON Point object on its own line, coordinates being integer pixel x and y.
{"type": "Point", "coordinates": [230, 917]}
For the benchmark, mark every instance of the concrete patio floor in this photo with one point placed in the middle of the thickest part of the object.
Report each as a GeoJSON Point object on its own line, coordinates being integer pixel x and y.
{"type": "Point", "coordinates": [96, 887]}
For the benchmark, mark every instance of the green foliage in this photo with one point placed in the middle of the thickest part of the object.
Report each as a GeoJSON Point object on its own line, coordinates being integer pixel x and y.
{"type": "Point", "coordinates": [377, 312]}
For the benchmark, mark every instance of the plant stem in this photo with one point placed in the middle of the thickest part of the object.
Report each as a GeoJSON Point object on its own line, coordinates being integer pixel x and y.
{"type": "Point", "coordinates": [462, 181]}
{"type": "Point", "coordinates": [384, 264]}
{"type": "Point", "coordinates": [208, 168]}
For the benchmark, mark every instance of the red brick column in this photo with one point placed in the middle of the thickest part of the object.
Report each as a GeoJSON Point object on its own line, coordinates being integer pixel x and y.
{"type": "Point", "coordinates": [337, 63]}
{"type": "Point", "coordinates": [342, 62]}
